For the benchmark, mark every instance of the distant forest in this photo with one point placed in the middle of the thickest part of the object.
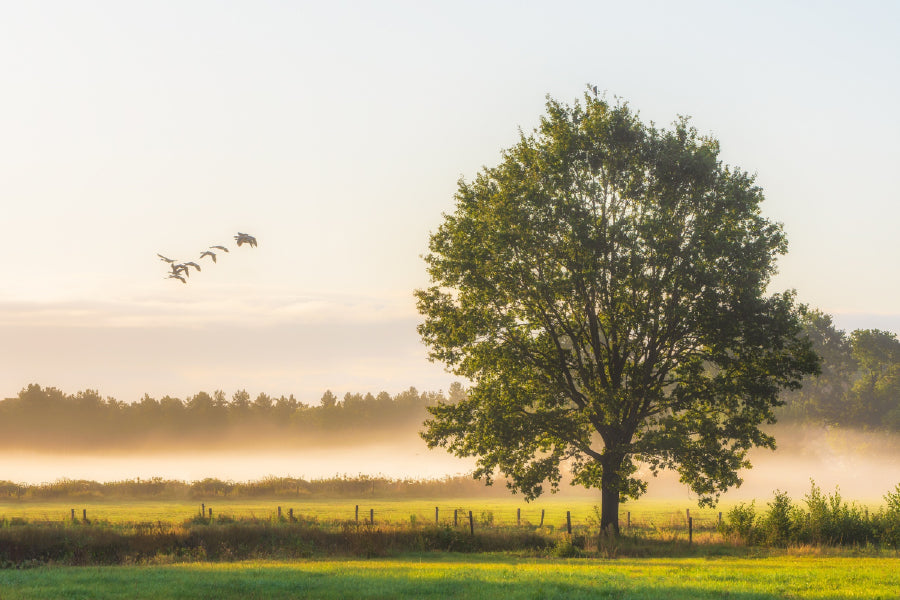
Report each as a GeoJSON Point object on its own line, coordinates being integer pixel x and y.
{"type": "Point", "coordinates": [860, 381]}
{"type": "Point", "coordinates": [158, 488]}
{"type": "Point", "coordinates": [859, 387]}
{"type": "Point", "coordinates": [47, 419]}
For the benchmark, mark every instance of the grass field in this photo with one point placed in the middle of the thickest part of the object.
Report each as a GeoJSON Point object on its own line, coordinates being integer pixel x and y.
{"type": "Point", "coordinates": [483, 576]}
{"type": "Point", "coordinates": [669, 567]}
{"type": "Point", "coordinates": [666, 515]}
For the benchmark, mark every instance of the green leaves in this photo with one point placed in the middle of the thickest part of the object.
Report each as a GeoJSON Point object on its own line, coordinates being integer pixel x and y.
{"type": "Point", "coordinates": [602, 287]}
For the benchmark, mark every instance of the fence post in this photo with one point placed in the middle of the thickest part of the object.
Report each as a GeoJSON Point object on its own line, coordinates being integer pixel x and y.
{"type": "Point", "coordinates": [84, 515]}
{"type": "Point", "coordinates": [436, 515]}
{"type": "Point", "coordinates": [73, 514]}
{"type": "Point", "coordinates": [357, 514]}
{"type": "Point", "coordinates": [542, 517]}
{"type": "Point", "coordinates": [518, 516]}
{"type": "Point", "coordinates": [371, 516]}
{"type": "Point", "coordinates": [690, 530]}
{"type": "Point", "coordinates": [202, 510]}
{"type": "Point", "coordinates": [210, 513]}
{"type": "Point", "coordinates": [569, 522]}
{"type": "Point", "coordinates": [471, 524]}
{"type": "Point", "coordinates": [455, 519]}
{"type": "Point", "coordinates": [687, 514]}
{"type": "Point", "coordinates": [628, 519]}
{"type": "Point", "coordinates": [279, 513]}
{"type": "Point", "coordinates": [291, 514]}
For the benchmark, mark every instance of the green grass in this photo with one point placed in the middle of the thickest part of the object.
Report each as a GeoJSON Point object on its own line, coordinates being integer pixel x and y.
{"type": "Point", "coordinates": [484, 576]}
{"type": "Point", "coordinates": [654, 514]}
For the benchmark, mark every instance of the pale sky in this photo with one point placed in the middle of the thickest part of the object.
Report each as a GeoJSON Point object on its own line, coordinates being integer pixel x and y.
{"type": "Point", "coordinates": [335, 133]}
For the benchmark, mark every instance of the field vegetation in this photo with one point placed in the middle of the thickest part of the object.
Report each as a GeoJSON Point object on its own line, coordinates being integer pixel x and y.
{"type": "Point", "coordinates": [157, 488]}
{"type": "Point", "coordinates": [39, 533]}
{"type": "Point", "coordinates": [427, 575]}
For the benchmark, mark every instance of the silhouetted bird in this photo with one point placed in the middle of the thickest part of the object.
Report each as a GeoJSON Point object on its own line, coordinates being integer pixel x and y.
{"type": "Point", "coordinates": [212, 255]}
{"type": "Point", "coordinates": [190, 264]}
{"type": "Point", "coordinates": [245, 238]}
{"type": "Point", "coordinates": [178, 277]}
{"type": "Point", "coordinates": [223, 248]}
{"type": "Point", "coordinates": [163, 258]}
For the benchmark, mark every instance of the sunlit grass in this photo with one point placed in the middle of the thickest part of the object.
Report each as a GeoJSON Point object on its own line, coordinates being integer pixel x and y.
{"type": "Point", "coordinates": [501, 512]}
{"type": "Point", "coordinates": [484, 576]}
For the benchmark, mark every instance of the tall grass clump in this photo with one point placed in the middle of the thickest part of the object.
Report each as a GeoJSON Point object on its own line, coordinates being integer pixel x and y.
{"type": "Point", "coordinates": [226, 539]}
{"type": "Point", "coordinates": [826, 520]}
{"type": "Point", "coordinates": [830, 520]}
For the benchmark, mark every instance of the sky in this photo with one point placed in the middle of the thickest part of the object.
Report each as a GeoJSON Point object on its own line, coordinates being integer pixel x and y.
{"type": "Point", "coordinates": [335, 134]}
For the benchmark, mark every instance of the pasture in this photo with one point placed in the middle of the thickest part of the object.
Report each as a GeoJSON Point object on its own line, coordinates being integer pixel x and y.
{"type": "Point", "coordinates": [501, 512]}
{"type": "Point", "coordinates": [479, 576]}
{"type": "Point", "coordinates": [317, 549]}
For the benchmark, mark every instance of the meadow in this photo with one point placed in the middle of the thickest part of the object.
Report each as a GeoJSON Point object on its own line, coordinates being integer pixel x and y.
{"type": "Point", "coordinates": [319, 548]}
{"type": "Point", "coordinates": [480, 576]}
{"type": "Point", "coordinates": [655, 514]}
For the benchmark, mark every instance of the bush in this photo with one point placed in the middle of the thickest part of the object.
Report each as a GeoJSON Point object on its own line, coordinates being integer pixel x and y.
{"type": "Point", "coordinates": [887, 521]}
{"type": "Point", "coordinates": [830, 520]}
{"type": "Point", "coordinates": [565, 548]}
{"type": "Point", "coordinates": [739, 522]}
{"type": "Point", "coordinates": [780, 524]}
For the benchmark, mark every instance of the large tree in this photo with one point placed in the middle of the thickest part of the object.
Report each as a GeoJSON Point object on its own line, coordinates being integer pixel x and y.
{"type": "Point", "coordinates": [604, 290]}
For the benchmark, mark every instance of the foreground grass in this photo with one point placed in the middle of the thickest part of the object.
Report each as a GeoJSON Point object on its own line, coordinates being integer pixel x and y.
{"type": "Point", "coordinates": [480, 576]}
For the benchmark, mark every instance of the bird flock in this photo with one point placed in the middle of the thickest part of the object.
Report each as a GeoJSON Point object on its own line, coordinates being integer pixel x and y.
{"type": "Point", "coordinates": [181, 271]}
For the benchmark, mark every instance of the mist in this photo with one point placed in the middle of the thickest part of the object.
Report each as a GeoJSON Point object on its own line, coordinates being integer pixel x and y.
{"type": "Point", "coordinates": [864, 465]}
{"type": "Point", "coordinates": [404, 457]}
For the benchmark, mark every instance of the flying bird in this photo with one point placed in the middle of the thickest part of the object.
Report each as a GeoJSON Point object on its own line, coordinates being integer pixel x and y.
{"type": "Point", "coordinates": [245, 238]}
{"type": "Point", "coordinates": [182, 270]}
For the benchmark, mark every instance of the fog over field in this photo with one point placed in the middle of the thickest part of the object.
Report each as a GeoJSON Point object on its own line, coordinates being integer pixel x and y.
{"type": "Point", "coordinates": [865, 465]}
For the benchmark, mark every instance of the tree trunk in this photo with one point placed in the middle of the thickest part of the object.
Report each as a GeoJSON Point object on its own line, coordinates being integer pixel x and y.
{"type": "Point", "coordinates": [609, 508]}
{"type": "Point", "coordinates": [609, 494]}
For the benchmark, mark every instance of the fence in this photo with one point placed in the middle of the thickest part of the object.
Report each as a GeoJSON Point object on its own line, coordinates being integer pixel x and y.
{"type": "Point", "coordinates": [472, 518]}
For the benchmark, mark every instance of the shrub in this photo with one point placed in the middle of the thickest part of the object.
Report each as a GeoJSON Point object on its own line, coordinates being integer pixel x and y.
{"type": "Point", "coordinates": [781, 523]}
{"type": "Point", "coordinates": [739, 522]}
{"type": "Point", "coordinates": [564, 548]}
{"type": "Point", "coordinates": [830, 520]}
{"type": "Point", "coordinates": [887, 521]}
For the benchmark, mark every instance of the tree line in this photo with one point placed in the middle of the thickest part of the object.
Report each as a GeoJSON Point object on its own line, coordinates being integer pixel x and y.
{"type": "Point", "coordinates": [158, 488]}
{"type": "Point", "coordinates": [47, 418]}
{"type": "Point", "coordinates": [859, 385]}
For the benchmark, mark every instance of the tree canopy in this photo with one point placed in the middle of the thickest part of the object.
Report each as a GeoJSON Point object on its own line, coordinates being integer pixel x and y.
{"type": "Point", "coordinates": [48, 419]}
{"type": "Point", "coordinates": [604, 290]}
{"type": "Point", "coordinates": [859, 385]}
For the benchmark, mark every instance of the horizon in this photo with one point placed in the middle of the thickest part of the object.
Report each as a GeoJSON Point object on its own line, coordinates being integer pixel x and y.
{"type": "Point", "coordinates": [336, 134]}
